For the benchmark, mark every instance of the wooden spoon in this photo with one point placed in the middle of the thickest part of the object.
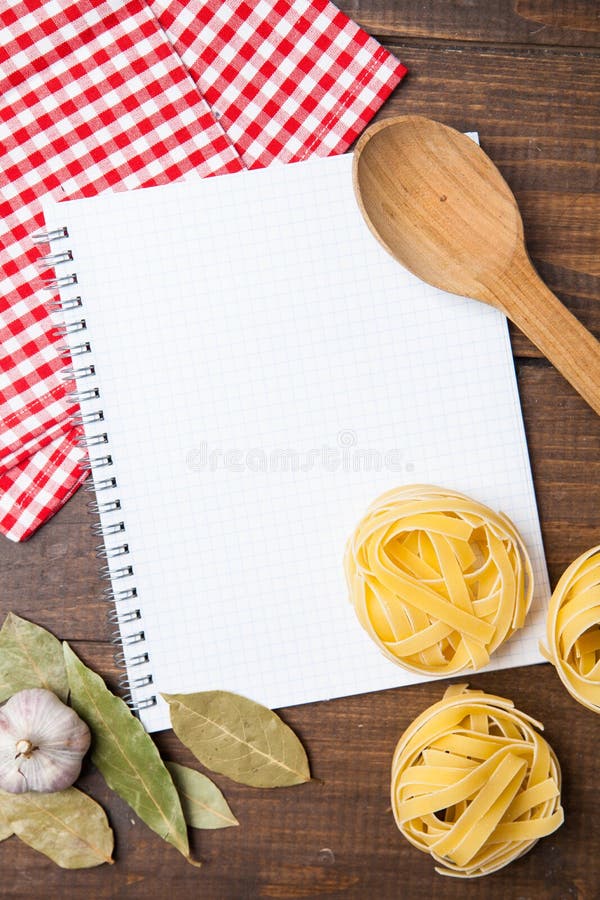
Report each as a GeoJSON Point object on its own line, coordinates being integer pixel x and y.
{"type": "Point", "coordinates": [439, 205]}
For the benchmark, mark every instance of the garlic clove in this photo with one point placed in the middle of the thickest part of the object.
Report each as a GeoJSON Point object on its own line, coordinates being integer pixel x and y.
{"type": "Point", "coordinates": [11, 778]}
{"type": "Point", "coordinates": [42, 742]}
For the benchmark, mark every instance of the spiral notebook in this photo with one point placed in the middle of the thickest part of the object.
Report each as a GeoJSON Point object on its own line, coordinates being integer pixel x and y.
{"type": "Point", "coordinates": [253, 370]}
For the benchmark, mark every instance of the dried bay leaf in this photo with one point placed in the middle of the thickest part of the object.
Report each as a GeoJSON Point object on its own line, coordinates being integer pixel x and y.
{"type": "Point", "coordinates": [126, 756]}
{"type": "Point", "coordinates": [30, 657]}
{"type": "Point", "coordinates": [239, 738]}
{"type": "Point", "coordinates": [67, 826]}
{"type": "Point", "coordinates": [204, 806]}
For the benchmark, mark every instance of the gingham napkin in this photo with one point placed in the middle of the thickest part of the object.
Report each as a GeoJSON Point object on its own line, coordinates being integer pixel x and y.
{"type": "Point", "coordinates": [110, 95]}
{"type": "Point", "coordinates": [285, 79]}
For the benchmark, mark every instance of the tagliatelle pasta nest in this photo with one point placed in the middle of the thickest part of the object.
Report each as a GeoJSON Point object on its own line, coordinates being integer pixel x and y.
{"type": "Point", "coordinates": [474, 784]}
{"type": "Point", "coordinates": [573, 629]}
{"type": "Point", "coordinates": [438, 580]}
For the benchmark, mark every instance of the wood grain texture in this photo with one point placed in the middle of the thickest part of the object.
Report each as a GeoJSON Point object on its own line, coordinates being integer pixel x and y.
{"type": "Point", "coordinates": [537, 111]}
{"type": "Point", "coordinates": [574, 23]}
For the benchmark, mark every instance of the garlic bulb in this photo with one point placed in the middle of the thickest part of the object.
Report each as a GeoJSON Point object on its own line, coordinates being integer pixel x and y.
{"type": "Point", "coordinates": [42, 743]}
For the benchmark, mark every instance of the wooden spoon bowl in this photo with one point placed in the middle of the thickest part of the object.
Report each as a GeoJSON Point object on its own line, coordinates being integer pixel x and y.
{"type": "Point", "coordinates": [440, 206]}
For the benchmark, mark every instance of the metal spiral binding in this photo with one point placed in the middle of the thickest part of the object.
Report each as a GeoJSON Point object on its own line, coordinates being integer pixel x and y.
{"type": "Point", "coordinates": [113, 596]}
{"type": "Point", "coordinates": [125, 616]}
{"type": "Point", "coordinates": [70, 328]}
{"type": "Point", "coordinates": [138, 637]}
{"type": "Point", "coordinates": [61, 281]}
{"type": "Point", "coordinates": [97, 462]}
{"type": "Point", "coordinates": [55, 259]}
{"type": "Point", "coordinates": [123, 572]}
{"type": "Point", "coordinates": [83, 396]}
{"type": "Point", "coordinates": [108, 530]}
{"type": "Point", "coordinates": [93, 441]}
{"type": "Point", "coordinates": [80, 418]}
{"type": "Point", "coordinates": [135, 683]}
{"type": "Point", "coordinates": [101, 509]}
{"type": "Point", "coordinates": [77, 350]}
{"type": "Point", "coordinates": [104, 552]}
{"type": "Point", "coordinates": [106, 485]}
{"type": "Point", "coordinates": [140, 660]}
{"type": "Point", "coordinates": [117, 618]}
{"type": "Point", "coordinates": [46, 237]}
{"type": "Point", "coordinates": [70, 373]}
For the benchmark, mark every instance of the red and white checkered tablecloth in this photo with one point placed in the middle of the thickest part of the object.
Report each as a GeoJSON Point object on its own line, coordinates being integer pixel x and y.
{"type": "Point", "coordinates": [286, 78]}
{"type": "Point", "coordinates": [119, 95]}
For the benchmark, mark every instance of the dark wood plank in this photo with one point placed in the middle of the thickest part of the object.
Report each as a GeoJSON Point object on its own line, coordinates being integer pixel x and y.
{"type": "Point", "coordinates": [546, 22]}
{"type": "Point", "coordinates": [548, 152]}
{"type": "Point", "coordinates": [563, 436]}
{"type": "Point", "coordinates": [54, 578]}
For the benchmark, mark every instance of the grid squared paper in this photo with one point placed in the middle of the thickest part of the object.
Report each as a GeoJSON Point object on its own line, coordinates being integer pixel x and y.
{"type": "Point", "coordinates": [252, 418]}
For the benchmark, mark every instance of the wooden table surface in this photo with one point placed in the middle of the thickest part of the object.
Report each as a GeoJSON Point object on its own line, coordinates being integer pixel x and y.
{"type": "Point", "coordinates": [526, 75]}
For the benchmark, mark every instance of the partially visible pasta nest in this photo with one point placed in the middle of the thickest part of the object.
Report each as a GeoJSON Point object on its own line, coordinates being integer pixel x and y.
{"type": "Point", "coordinates": [573, 629]}
{"type": "Point", "coordinates": [474, 784]}
{"type": "Point", "coordinates": [438, 580]}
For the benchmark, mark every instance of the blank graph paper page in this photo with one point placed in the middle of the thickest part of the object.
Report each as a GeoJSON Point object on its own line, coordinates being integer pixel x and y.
{"type": "Point", "coordinates": [265, 371]}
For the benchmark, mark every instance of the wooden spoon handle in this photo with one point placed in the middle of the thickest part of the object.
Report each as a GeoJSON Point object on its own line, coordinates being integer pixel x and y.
{"type": "Point", "coordinates": [553, 329]}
